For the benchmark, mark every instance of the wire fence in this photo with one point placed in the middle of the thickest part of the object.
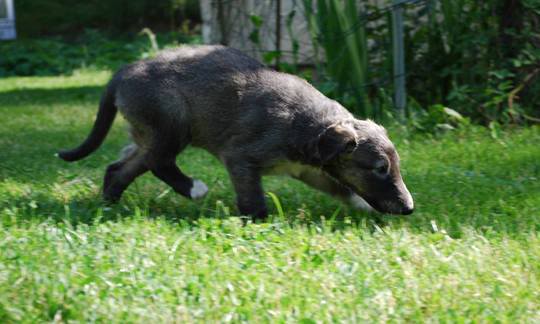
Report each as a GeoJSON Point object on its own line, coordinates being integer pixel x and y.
{"type": "Point", "coordinates": [290, 34]}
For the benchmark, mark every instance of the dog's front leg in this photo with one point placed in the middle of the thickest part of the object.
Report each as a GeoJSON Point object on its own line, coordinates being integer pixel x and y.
{"type": "Point", "coordinates": [249, 193]}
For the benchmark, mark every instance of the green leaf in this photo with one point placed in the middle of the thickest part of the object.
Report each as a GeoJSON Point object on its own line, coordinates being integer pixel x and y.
{"type": "Point", "coordinates": [452, 113]}
{"type": "Point", "coordinates": [270, 56]}
{"type": "Point", "coordinates": [254, 36]}
{"type": "Point", "coordinates": [256, 20]}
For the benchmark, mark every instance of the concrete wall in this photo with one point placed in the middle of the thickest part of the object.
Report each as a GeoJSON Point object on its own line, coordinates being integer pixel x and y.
{"type": "Point", "coordinates": [234, 27]}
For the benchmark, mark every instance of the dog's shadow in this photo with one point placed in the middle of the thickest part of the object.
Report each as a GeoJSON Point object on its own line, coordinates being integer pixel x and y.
{"type": "Point", "coordinates": [90, 209]}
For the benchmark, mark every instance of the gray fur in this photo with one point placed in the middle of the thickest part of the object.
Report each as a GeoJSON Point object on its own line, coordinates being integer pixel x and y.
{"type": "Point", "coordinates": [255, 120]}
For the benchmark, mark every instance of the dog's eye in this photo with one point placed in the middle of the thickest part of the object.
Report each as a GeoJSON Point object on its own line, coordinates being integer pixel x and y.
{"type": "Point", "coordinates": [382, 170]}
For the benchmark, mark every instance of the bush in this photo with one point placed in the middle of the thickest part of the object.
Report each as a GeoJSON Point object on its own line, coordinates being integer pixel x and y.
{"type": "Point", "coordinates": [45, 17]}
{"type": "Point", "coordinates": [480, 58]}
{"type": "Point", "coordinates": [54, 55]}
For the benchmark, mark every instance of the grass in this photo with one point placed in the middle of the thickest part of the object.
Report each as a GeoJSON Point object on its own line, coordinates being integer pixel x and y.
{"type": "Point", "coordinates": [470, 253]}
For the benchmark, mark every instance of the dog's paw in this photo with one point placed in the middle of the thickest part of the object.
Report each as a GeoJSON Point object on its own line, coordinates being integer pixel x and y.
{"type": "Point", "coordinates": [198, 190]}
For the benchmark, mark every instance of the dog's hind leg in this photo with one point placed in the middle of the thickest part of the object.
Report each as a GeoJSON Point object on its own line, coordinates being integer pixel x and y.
{"type": "Point", "coordinates": [161, 160]}
{"type": "Point", "coordinates": [167, 171]}
{"type": "Point", "coordinates": [120, 174]}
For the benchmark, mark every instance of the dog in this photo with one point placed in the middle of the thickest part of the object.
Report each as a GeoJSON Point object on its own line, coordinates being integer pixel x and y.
{"type": "Point", "coordinates": [255, 120]}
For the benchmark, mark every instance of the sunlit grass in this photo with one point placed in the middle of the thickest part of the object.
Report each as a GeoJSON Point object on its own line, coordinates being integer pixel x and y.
{"type": "Point", "coordinates": [470, 252]}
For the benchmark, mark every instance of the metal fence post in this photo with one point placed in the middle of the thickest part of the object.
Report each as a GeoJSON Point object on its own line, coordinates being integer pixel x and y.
{"type": "Point", "coordinates": [400, 94]}
{"type": "Point", "coordinates": [278, 32]}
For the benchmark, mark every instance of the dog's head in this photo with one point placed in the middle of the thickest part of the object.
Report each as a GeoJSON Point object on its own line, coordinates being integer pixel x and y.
{"type": "Point", "coordinates": [360, 155]}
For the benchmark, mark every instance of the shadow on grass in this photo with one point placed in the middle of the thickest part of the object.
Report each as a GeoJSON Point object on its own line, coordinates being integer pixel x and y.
{"type": "Point", "coordinates": [464, 201]}
{"type": "Point", "coordinates": [450, 196]}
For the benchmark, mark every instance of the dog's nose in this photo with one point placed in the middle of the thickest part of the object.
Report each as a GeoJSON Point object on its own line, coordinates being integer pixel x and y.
{"type": "Point", "coordinates": [407, 210]}
{"type": "Point", "coordinates": [408, 203]}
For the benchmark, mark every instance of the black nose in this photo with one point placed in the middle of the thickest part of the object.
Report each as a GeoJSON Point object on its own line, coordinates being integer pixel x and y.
{"type": "Point", "coordinates": [407, 211]}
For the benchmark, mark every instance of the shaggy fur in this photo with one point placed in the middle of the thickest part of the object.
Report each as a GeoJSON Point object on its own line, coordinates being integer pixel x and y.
{"type": "Point", "coordinates": [255, 120]}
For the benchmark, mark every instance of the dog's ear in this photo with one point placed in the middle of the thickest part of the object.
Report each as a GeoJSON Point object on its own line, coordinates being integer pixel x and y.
{"type": "Point", "coordinates": [335, 140]}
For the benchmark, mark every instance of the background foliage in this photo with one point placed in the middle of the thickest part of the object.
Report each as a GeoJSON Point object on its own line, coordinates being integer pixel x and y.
{"type": "Point", "coordinates": [479, 60]}
{"type": "Point", "coordinates": [476, 56]}
{"type": "Point", "coordinates": [92, 49]}
{"type": "Point", "coordinates": [69, 17]}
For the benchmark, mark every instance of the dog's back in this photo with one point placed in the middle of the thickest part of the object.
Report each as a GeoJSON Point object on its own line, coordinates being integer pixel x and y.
{"type": "Point", "coordinates": [213, 94]}
{"type": "Point", "coordinates": [206, 74]}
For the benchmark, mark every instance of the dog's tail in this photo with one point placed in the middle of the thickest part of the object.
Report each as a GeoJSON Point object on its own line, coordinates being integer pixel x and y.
{"type": "Point", "coordinates": [104, 120]}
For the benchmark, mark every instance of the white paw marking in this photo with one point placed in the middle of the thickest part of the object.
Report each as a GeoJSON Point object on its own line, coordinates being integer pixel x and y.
{"type": "Point", "coordinates": [198, 190]}
{"type": "Point", "coordinates": [359, 203]}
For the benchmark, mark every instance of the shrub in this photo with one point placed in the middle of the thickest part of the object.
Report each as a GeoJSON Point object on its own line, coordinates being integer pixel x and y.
{"type": "Point", "coordinates": [65, 17]}
{"type": "Point", "coordinates": [54, 55]}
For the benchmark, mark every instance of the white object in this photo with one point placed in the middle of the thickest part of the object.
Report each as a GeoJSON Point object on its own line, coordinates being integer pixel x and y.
{"type": "Point", "coordinates": [7, 20]}
{"type": "Point", "coordinates": [198, 190]}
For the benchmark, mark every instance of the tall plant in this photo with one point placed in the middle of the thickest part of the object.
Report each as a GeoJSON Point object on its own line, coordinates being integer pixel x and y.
{"type": "Point", "coordinates": [335, 27]}
{"type": "Point", "coordinates": [471, 57]}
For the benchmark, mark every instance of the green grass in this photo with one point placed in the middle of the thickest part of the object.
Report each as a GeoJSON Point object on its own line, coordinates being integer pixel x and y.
{"type": "Point", "coordinates": [470, 253]}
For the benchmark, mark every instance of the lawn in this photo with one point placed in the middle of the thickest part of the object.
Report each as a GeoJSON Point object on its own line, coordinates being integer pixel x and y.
{"type": "Point", "coordinates": [470, 252]}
